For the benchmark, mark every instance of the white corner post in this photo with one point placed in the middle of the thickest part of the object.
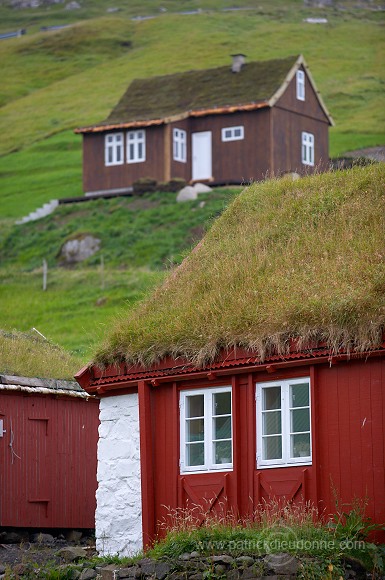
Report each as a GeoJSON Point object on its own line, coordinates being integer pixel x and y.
{"type": "Point", "coordinates": [118, 497]}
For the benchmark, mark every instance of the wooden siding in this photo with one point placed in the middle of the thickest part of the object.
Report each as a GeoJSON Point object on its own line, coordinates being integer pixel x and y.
{"type": "Point", "coordinates": [49, 481]}
{"type": "Point", "coordinates": [238, 161]}
{"type": "Point", "coordinates": [99, 177]}
{"type": "Point", "coordinates": [287, 130]}
{"type": "Point", "coordinates": [348, 439]}
{"type": "Point", "coordinates": [310, 107]}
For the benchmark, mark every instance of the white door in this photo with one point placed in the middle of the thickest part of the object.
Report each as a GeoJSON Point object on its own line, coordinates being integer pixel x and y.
{"type": "Point", "coordinates": [201, 155]}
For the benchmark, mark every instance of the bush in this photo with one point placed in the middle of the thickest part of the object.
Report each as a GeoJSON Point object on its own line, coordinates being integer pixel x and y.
{"type": "Point", "coordinates": [144, 185]}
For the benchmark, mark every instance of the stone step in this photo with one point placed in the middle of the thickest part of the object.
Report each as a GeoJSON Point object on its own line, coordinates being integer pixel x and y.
{"type": "Point", "coordinates": [46, 209]}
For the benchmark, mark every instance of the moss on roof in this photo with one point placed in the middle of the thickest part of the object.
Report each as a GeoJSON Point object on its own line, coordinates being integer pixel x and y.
{"type": "Point", "coordinates": [28, 355]}
{"type": "Point", "coordinates": [164, 96]}
{"type": "Point", "coordinates": [301, 259]}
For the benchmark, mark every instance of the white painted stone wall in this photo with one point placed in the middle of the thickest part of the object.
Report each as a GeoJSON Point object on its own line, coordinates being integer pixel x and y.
{"type": "Point", "coordinates": [118, 497]}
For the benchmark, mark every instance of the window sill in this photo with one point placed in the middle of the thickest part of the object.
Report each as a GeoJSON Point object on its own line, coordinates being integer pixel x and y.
{"type": "Point", "coordinates": [284, 465]}
{"type": "Point", "coordinates": [220, 470]}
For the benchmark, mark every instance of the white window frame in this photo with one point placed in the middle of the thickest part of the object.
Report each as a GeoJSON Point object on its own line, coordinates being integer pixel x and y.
{"type": "Point", "coordinates": [300, 84]}
{"type": "Point", "coordinates": [208, 464]}
{"type": "Point", "coordinates": [307, 148]}
{"type": "Point", "coordinates": [287, 459]}
{"type": "Point", "coordinates": [232, 136]}
{"type": "Point", "coordinates": [112, 143]}
{"type": "Point", "coordinates": [179, 145]}
{"type": "Point", "coordinates": [136, 138]}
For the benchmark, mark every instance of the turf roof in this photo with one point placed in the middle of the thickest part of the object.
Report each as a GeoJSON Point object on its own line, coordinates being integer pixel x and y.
{"type": "Point", "coordinates": [288, 259]}
{"type": "Point", "coordinates": [164, 96]}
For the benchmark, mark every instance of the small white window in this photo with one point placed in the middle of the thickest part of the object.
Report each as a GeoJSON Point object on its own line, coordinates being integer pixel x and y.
{"type": "Point", "coordinates": [136, 146]}
{"type": "Point", "coordinates": [232, 133]}
{"type": "Point", "coordinates": [307, 148]}
{"type": "Point", "coordinates": [113, 149]}
{"type": "Point", "coordinates": [179, 145]}
{"type": "Point", "coordinates": [300, 85]}
{"type": "Point", "coordinates": [206, 430]}
{"type": "Point", "coordinates": [283, 423]}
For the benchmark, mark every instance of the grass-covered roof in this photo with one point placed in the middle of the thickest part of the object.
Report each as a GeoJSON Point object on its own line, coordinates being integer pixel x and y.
{"type": "Point", "coordinates": [288, 259]}
{"type": "Point", "coordinates": [27, 355]}
{"type": "Point", "coordinates": [164, 96]}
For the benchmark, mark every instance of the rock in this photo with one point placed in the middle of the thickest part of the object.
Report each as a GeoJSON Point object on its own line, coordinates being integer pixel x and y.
{"type": "Point", "coordinates": [202, 188]}
{"type": "Point", "coordinates": [43, 539]}
{"type": "Point", "coordinates": [282, 563]}
{"type": "Point", "coordinates": [72, 553]}
{"type": "Point", "coordinates": [73, 536]}
{"type": "Point", "coordinates": [194, 555]}
{"type": "Point", "coordinates": [185, 557]}
{"type": "Point", "coordinates": [109, 572]}
{"type": "Point", "coordinates": [131, 572]}
{"type": "Point", "coordinates": [73, 6]}
{"type": "Point", "coordinates": [202, 204]}
{"type": "Point", "coordinates": [2, 569]}
{"type": "Point", "coordinates": [88, 574]}
{"type": "Point", "coordinates": [233, 574]}
{"type": "Point", "coordinates": [220, 569]}
{"type": "Point", "coordinates": [197, 576]}
{"type": "Point", "coordinates": [79, 248]}
{"type": "Point", "coordinates": [245, 561]}
{"type": "Point", "coordinates": [188, 193]}
{"type": "Point", "coordinates": [10, 538]}
{"type": "Point", "coordinates": [222, 559]}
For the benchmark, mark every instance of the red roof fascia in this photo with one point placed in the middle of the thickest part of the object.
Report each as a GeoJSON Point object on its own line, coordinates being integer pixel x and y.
{"type": "Point", "coordinates": [171, 118]}
{"type": "Point", "coordinates": [95, 380]}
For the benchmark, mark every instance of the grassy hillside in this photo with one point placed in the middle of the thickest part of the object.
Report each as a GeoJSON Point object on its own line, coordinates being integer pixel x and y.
{"type": "Point", "coordinates": [56, 81]}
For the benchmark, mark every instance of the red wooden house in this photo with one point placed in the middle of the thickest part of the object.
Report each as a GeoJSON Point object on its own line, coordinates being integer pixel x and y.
{"type": "Point", "coordinates": [223, 125]}
{"type": "Point", "coordinates": [48, 440]}
{"type": "Point", "coordinates": [257, 370]}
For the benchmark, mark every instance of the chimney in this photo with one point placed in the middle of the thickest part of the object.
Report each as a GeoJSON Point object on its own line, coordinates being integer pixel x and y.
{"type": "Point", "coordinates": [238, 62]}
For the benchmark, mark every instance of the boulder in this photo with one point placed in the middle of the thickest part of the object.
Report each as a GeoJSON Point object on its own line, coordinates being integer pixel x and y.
{"type": "Point", "coordinates": [282, 563]}
{"type": "Point", "coordinates": [88, 574]}
{"type": "Point", "coordinates": [202, 188]}
{"type": "Point", "coordinates": [188, 193]}
{"type": "Point", "coordinates": [79, 248]}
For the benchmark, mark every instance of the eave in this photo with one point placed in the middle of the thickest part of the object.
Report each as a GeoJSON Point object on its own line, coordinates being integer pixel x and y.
{"type": "Point", "coordinates": [114, 379]}
{"type": "Point", "coordinates": [174, 118]}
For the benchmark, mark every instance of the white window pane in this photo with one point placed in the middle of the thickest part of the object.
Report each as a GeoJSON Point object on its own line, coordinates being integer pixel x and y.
{"type": "Point", "coordinates": [300, 420]}
{"type": "Point", "coordinates": [300, 445]}
{"type": "Point", "coordinates": [299, 395]}
{"type": "Point", "coordinates": [272, 423]}
{"type": "Point", "coordinates": [272, 447]}
{"type": "Point", "coordinates": [195, 430]}
{"type": "Point", "coordinates": [271, 398]}
{"type": "Point", "coordinates": [222, 403]}
{"type": "Point", "coordinates": [222, 452]}
{"type": "Point", "coordinates": [222, 428]}
{"type": "Point", "coordinates": [195, 406]}
{"type": "Point", "coordinates": [195, 454]}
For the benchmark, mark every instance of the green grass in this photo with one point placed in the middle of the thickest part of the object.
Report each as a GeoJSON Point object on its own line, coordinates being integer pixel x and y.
{"type": "Point", "coordinates": [75, 310]}
{"type": "Point", "coordinates": [302, 259]}
{"type": "Point", "coordinates": [148, 231]}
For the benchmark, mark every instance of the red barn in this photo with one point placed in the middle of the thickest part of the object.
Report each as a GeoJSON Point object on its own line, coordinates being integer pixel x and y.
{"type": "Point", "coordinates": [256, 370]}
{"type": "Point", "coordinates": [48, 439]}
{"type": "Point", "coordinates": [222, 125]}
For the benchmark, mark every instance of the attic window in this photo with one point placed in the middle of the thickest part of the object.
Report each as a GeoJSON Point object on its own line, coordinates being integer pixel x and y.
{"type": "Point", "coordinates": [136, 146]}
{"type": "Point", "coordinates": [307, 148]}
{"type": "Point", "coordinates": [300, 85]}
{"type": "Point", "coordinates": [179, 145]}
{"type": "Point", "coordinates": [283, 423]}
{"type": "Point", "coordinates": [206, 430]}
{"type": "Point", "coordinates": [233, 133]}
{"type": "Point", "coordinates": [113, 149]}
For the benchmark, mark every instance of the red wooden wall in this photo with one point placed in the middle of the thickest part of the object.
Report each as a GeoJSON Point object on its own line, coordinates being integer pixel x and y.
{"type": "Point", "coordinates": [348, 413]}
{"type": "Point", "coordinates": [49, 480]}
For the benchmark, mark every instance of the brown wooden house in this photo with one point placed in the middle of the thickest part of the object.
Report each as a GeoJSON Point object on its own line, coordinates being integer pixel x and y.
{"type": "Point", "coordinates": [224, 125]}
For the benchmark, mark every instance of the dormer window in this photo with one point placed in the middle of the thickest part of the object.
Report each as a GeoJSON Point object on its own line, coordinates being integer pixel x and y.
{"type": "Point", "coordinates": [300, 85]}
